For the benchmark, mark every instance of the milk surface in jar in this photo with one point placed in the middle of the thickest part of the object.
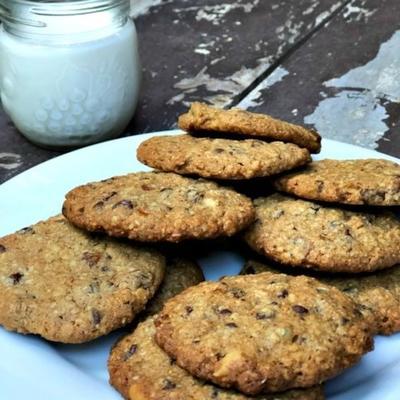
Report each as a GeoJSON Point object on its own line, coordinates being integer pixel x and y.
{"type": "Point", "coordinates": [69, 69]}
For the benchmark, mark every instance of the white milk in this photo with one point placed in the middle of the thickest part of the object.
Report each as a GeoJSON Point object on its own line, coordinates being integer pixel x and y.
{"type": "Point", "coordinates": [74, 93]}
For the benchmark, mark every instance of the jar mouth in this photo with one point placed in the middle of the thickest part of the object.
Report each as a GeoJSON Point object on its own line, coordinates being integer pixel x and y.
{"type": "Point", "coordinates": [28, 17]}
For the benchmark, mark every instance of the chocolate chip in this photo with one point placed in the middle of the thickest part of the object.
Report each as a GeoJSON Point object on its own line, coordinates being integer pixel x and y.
{"type": "Point", "coordinates": [131, 351]}
{"type": "Point", "coordinates": [283, 294]}
{"type": "Point", "coordinates": [97, 317]}
{"type": "Point", "coordinates": [16, 277]}
{"type": "Point", "coordinates": [2, 249]}
{"type": "Point", "coordinates": [344, 321]}
{"type": "Point", "coordinates": [81, 210]}
{"type": "Point", "coordinates": [91, 259]}
{"type": "Point", "coordinates": [124, 203]}
{"type": "Point", "coordinates": [299, 309]}
{"type": "Point", "coordinates": [188, 309]}
{"type": "Point", "coordinates": [219, 356]}
{"type": "Point", "coordinates": [146, 187]}
{"type": "Point", "coordinates": [109, 196]}
{"type": "Point", "coordinates": [231, 325]}
{"type": "Point", "coordinates": [320, 186]}
{"type": "Point", "coordinates": [224, 311]}
{"type": "Point", "coordinates": [25, 230]}
{"type": "Point", "coordinates": [218, 150]}
{"type": "Point", "coordinates": [98, 205]}
{"type": "Point", "coordinates": [265, 315]}
{"type": "Point", "coordinates": [168, 384]}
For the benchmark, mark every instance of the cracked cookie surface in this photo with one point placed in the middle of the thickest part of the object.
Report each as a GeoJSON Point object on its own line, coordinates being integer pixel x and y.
{"type": "Point", "coordinates": [263, 333]}
{"type": "Point", "coordinates": [140, 370]}
{"type": "Point", "coordinates": [305, 234]}
{"type": "Point", "coordinates": [221, 158]}
{"type": "Point", "coordinates": [70, 286]}
{"type": "Point", "coordinates": [372, 182]}
{"type": "Point", "coordinates": [158, 206]}
{"type": "Point", "coordinates": [204, 118]}
{"type": "Point", "coordinates": [378, 294]}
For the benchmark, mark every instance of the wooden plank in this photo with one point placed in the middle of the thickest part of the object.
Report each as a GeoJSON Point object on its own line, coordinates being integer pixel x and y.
{"type": "Point", "coordinates": [194, 50]}
{"type": "Point", "coordinates": [345, 81]}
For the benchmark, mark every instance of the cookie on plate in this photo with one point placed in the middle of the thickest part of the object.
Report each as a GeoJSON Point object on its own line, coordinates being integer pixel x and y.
{"type": "Point", "coordinates": [220, 158]}
{"type": "Point", "coordinates": [305, 234]}
{"type": "Point", "coordinates": [69, 286]}
{"type": "Point", "coordinates": [263, 333]}
{"type": "Point", "coordinates": [204, 118]}
{"type": "Point", "coordinates": [373, 182]}
{"type": "Point", "coordinates": [140, 370]}
{"type": "Point", "coordinates": [378, 294]}
{"type": "Point", "coordinates": [157, 206]}
{"type": "Point", "coordinates": [180, 273]}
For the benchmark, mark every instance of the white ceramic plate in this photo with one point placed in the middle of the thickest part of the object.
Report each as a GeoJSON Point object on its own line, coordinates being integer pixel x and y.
{"type": "Point", "coordinates": [31, 368]}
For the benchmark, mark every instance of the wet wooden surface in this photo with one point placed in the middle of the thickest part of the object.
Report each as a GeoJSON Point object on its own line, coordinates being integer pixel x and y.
{"type": "Point", "coordinates": [331, 64]}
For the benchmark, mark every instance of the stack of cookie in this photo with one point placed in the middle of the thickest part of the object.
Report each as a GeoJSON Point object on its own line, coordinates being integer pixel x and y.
{"type": "Point", "coordinates": [266, 333]}
{"type": "Point", "coordinates": [269, 333]}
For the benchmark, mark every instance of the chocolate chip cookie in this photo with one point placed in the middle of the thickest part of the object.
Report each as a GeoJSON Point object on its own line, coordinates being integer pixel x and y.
{"type": "Point", "coordinates": [202, 117]}
{"type": "Point", "coordinates": [372, 182]}
{"type": "Point", "coordinates": [305, 234]}
{"type": "Point", "coordinates": [180, 273]}
{"type": "Point", "coordinates": [70, 286]}
{"type": "Point", "coordinates": [220, 158]}
{"type": "Point", "coordinates": [377, 294]}
{"type": "Point", "coordinates": [263, 333]}
{"type": "Point", "coordinates": [140, 370]}
{"type": "Point", "coordinates": [157, 206]}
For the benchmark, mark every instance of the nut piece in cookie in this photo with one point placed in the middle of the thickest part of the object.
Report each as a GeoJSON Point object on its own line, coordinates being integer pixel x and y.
{"type": "Point", "coordinates": [70, 286]}
{"type": "Point", "coordinates": [158, 206]}
{"type": "Point", "coordinates": [140, 370]}
{"type": "Point", "coordinates": [377, 294]}
{"type": "Point", "coordinates": [263, 333]}
{"type": "Point", "coordinates": [221, 158]}
{"type": "Point", "coordinates": [372, 182]}
{"type": "Point", "coordinates": [209, 120]}
{"type": "Point", "coordinates": [301, 233]}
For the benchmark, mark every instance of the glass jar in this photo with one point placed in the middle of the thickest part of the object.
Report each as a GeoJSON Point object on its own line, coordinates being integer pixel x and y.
{"type": "Point", "coordinates": [69, 69]}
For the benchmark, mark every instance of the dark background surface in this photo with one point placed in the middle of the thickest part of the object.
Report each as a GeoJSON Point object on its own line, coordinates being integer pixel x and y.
{"type": "Point", "coordinates": [294, 59]}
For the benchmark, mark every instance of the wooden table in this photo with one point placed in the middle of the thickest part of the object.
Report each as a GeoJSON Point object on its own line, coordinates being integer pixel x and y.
{"type": "Point", "coordinates": [332, 64]}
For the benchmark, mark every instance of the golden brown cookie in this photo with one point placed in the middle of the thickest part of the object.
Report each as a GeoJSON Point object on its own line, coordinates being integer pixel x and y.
{"type": "Point", "coordinates": [202, 117]}
{"type": "Point", "coordinates": [140, 370]}
{"type": "Point", "coordinates": [378, 294]}
{"type": "Point", "coordinates": [372, 182]}
{"type": "Point", "coordinates": [70, 286]}
{"type": "Point", "coordinates": [220, 158]}
{"type": "Point", "coordinates": [180, 273]}
{"type": "Point", "coordinates": [158, 206]}
{"type": "Point", "coordinates": [263, 333]}
{"type": "Point", "coordinates": [305, 234]}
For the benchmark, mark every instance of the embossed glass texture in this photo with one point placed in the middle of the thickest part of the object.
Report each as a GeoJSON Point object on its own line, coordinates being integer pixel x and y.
{"type": "Point", "coordinates": [69, 69]}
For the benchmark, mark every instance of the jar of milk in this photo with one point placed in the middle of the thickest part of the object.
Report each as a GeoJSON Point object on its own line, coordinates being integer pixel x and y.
{"type": "Point", "coordinates": [69, 69]}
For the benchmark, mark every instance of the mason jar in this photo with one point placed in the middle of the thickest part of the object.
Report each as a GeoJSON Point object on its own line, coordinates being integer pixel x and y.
{"type": "Point", "coordinates": [69, 69]}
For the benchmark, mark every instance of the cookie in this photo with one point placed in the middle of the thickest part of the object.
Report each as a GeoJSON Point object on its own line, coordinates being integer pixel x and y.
{"type": "Point", "coordinates": [372, 182]}
{"type": "Point", "coordinates": [220, 158]}
{"type": "Point", "coordinates": [263, 333]}
{"type": "Point", "coordinates": [140, 370]}
{"type": "Point", "coordinates": [305, 234]}
{"type": "Point", "coordinates": [156, 206]}
{"type": "Point", "coordinates": [180, 273]}
{"type": "Point", "coordinates": [69, 286]}
{"type": "Point", "coordinates": [202, 117]}
{"type": "Point", "coordinates": [377, 294]}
